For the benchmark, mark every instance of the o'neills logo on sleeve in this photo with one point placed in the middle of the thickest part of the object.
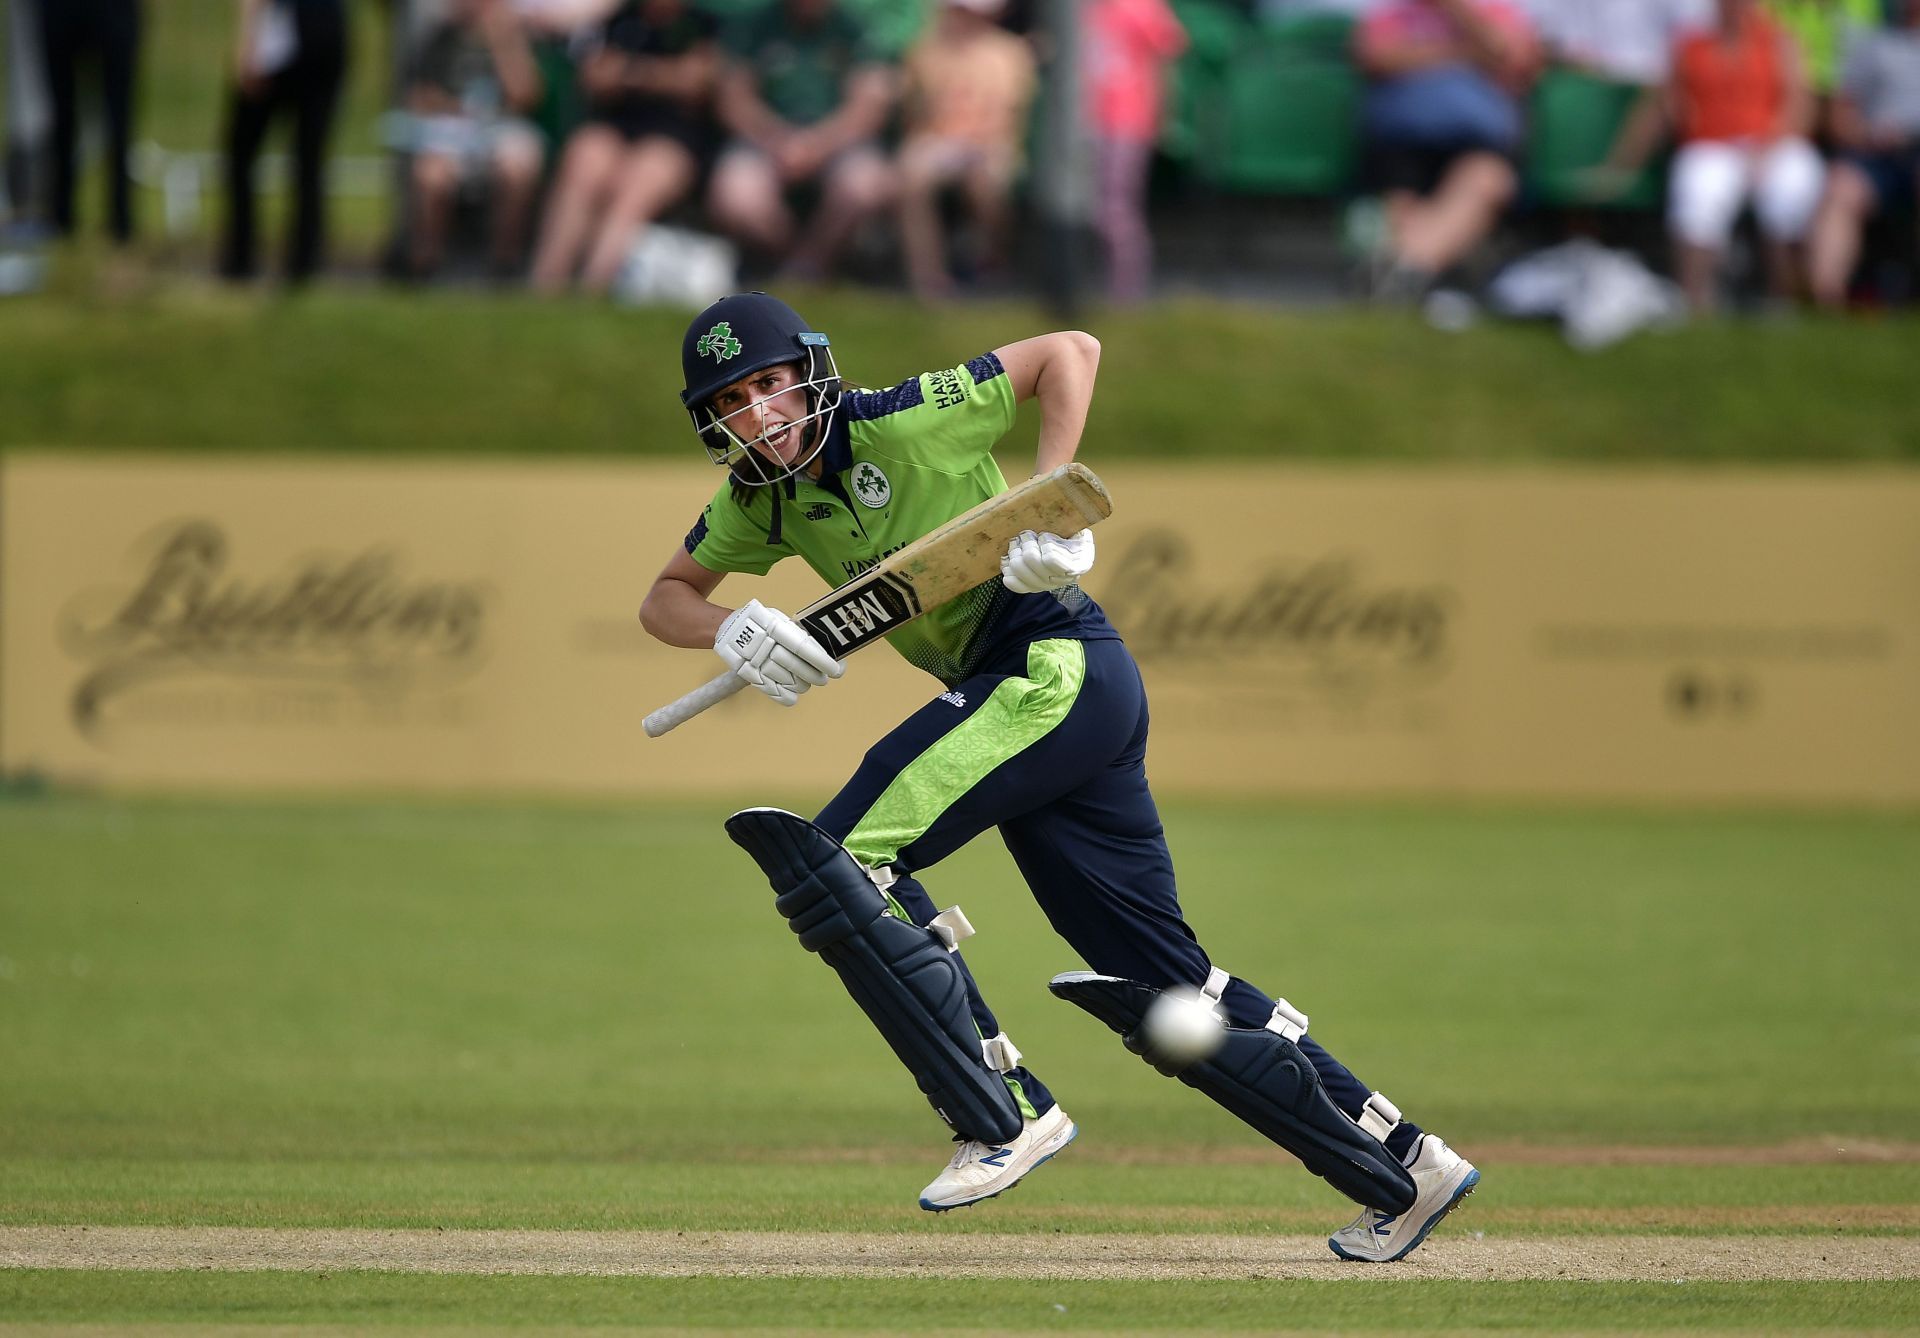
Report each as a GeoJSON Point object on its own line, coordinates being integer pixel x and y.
{"type": "Point", "coordinates": [330, 626]}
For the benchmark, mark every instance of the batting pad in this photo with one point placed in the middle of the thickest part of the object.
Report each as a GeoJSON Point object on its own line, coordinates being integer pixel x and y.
{"type": "Point", "coordinates": [1266, 1080]}
{"type": "Point", "coordinates": [903, 977]}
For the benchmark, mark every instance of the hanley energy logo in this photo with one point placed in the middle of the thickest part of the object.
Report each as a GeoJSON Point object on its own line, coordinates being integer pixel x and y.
{"type": "Point", "coordinates": [295, 646]}
{"type": "Point", "coordinates": [719, 343]}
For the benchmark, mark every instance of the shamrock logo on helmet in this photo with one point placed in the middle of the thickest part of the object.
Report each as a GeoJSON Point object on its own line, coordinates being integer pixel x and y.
{"type": "Point", "coordinates": [719, 342]}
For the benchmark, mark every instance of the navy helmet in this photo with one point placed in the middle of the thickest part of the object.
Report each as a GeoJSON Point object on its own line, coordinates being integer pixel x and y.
{"type": "Point", "coordinates": [734, 338]}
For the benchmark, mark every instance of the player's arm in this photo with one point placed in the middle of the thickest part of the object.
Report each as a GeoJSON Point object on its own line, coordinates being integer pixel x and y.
{"type": "Point", "coordinates": [677, 609]}
{"type": "Point", "coordinates": [763, 646]}
{"type": "Point", "coordinates": [1058, 370]}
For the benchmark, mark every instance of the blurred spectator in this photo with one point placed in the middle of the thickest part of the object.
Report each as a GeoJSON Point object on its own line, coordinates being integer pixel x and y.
{"type": "Point", "coordinates": [969, 82]}
{"type": "Point", "coordinates": [106, 33]}
{"type": "Point", "coordinates": [1876, 124]}
{"type": "Point", "coordinates": [1287, 9]}
{"type": "Point", "coordinates": [806, 98]}
{"type": "Point", "coordinates": [649, 86]}
{"type": "Point", "coordinates": [1628, 44]}
{"type": "Point", "coordinates": [1621, 41]}
{"type": "Point", "coordinates": [291, 54]}
{"type": "Point", "coordinates": [472, 80]}
{"type": "Point", "coordinates": [562, 18]}
{"type": "Point", "coordinates": [1820, 29]}
{"type": "Point", "coordinates": [1742, 112]}
{"type": "Point", "coordinates": [1129, 43]}
{"type": "Point", "coordinates": [556, 30]}
{"type": "Point", "coordinates": [1443, 122]}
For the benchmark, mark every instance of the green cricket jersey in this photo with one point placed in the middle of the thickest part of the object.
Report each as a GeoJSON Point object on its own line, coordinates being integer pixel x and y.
{"type": "Point", "coordinates": [897, 464]}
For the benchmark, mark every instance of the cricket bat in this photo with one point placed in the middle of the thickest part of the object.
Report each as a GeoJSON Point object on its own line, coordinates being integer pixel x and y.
{"type": "Point", "coordinates": [928, 572]}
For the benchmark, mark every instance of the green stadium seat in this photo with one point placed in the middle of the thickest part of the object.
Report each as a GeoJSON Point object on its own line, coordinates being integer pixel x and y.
{"type": "Point", "coordinates": [1574, 120]}
{"type": "Point", "coordinates": [1293, 110]}
{"type": "Point", "coordinates": [1194, 112]}
{"type": "Point", "coordinates": [1266, 108]}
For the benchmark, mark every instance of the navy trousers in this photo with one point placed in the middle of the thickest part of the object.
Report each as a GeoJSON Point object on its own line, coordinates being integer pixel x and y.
{"type": "Point", "coordinates": [1075, 812]}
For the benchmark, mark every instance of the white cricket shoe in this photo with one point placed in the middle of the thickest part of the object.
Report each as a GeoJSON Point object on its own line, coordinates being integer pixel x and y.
{"type": "Point", "coordinates": [981, 1170]}
{"type": "Point", "coordinates": [1441, 1178]}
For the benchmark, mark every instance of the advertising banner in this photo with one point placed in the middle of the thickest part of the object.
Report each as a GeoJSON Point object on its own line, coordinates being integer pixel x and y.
{"type": "Point", "coordinates": [333, 624]}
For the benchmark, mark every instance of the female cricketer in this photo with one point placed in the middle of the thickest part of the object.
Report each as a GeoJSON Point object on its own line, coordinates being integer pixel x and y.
{"type": "Point", "coordinates": [1040, 730]}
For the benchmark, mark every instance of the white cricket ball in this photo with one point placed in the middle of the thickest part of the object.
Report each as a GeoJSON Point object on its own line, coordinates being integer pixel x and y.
{"type": "Point", "coordinates": [1182, 1027]}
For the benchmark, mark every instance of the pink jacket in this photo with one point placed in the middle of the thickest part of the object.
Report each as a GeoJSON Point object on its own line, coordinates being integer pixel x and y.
{"type": "Point", "coordinates": [1128, 44]}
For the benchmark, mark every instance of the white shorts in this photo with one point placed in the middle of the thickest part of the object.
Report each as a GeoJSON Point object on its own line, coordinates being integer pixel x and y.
{"type": "Point", "coordinates": [475, 143]}
{"type": "Point", "coordinates": [1714, 179]}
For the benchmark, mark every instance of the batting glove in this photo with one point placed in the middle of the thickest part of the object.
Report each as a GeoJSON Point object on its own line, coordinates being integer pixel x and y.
{"type": "Point", "coordinates": [774, 653]}
{"type": "Point", "coordinates": [1036, 562]}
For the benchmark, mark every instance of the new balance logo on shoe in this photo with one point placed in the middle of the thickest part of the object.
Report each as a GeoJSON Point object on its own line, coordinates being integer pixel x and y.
{"type": "Point", "coordinates": [979, 1170]}
{"type": "Point", "coordinates": [1441, 1178]}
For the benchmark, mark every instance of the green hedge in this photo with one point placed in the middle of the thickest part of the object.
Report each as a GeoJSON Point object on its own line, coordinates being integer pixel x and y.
{"type": "Point", "coordinates": [193, 369]}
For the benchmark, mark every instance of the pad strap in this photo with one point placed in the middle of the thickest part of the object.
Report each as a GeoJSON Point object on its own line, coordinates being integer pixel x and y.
{"type": "Point", "coordinates": [1216, 986]}
{"type": "Point", "coordinates": [1379, 1117]}
{"type": "Point", "coordinates": [950, 926]}
{"type": "Point", "coordinates": [1287, 1021]}
{"type": "Point", "coordinates": [1000, 1053]}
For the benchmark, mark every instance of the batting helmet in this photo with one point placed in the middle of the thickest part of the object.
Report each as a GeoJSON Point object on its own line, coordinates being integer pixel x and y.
{"type": "Point", "coordinates": [734, 338]}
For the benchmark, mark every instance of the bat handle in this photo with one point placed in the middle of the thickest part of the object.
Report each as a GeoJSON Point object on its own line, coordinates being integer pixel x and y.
{"type": "Point", "coordinates": [711, 693]}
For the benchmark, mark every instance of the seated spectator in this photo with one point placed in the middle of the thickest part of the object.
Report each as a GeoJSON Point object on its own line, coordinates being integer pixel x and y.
{"type": "Point", "coordinates": [555, 29]}
{"type": "Point", "coordinates": [1128, 46]}
{"type": "Point", "coordinates": [1742, 112]}
{"type": "Point", "coordinates": [649, 84]}
{"type": "Point", "coordinates": [1281, 10]}
{"type": "Point", "coordinates": [1621, 41]}
{"type": "Point", "coordinates": [471, 81]}
{"type": "Point", "coordinates": [1443, 123]}
{"type": "Point", "coordinates": [1876, 124]}
{"type": "Point", "coordinates": [969, 82]}
{"type": "Point", "coordinates": [806, 98]}
{"type": "Point", "coordinates": [1820, 30]}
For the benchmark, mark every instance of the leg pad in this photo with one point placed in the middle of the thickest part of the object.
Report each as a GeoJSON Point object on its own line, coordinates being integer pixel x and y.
{"type": "Point", "coordinates": [903, 977]}
{"type": "Point", "coordinates": [1265, 1079]}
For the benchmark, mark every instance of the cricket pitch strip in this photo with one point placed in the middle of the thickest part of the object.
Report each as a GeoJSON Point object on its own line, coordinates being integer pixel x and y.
{"type": "Point", "coordinates": [1456, 1255]}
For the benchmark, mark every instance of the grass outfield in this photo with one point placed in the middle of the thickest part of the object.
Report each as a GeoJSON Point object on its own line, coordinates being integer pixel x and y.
{"type": "Point", "coordinates": [182, 367]}
{"type": "Point", "coordinates": [345, 1018]}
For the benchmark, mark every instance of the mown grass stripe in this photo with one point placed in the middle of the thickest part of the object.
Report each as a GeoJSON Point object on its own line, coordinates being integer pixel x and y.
{"type": "Point", "coordinates": [918, 1304]}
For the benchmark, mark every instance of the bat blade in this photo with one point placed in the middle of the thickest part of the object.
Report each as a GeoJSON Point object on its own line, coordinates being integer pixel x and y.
{"type": "Point", "coordinates": [937, 567]}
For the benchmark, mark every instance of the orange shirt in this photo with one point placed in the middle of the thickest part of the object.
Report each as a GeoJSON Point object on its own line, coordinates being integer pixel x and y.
{"type": "Point", "coordinates": [1734, 90]}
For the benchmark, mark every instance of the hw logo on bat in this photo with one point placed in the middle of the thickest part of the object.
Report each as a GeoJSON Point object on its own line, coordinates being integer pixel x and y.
{"type": "Point", "coordinates": [865, 614]}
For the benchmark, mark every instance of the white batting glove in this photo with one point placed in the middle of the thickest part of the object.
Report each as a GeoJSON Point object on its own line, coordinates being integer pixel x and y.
{"type": "Point", "coordinates": [774, 653]}
{"type": "Point", "coordinates": [1036, 562]}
